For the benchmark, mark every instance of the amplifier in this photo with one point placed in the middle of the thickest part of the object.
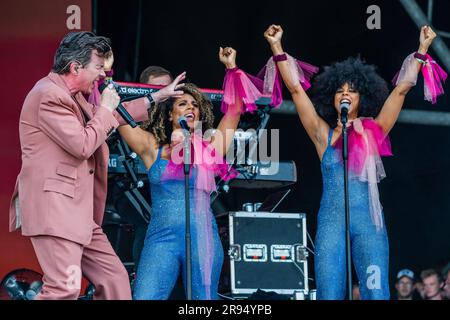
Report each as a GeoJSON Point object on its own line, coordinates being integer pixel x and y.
{"type": "Point", "coordinates": [268, 252]}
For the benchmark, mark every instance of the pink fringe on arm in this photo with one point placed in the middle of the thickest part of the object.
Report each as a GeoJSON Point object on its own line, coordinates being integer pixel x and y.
{"type": "Point", "coordinates": [300, 71]}
{"type": "Point", "coordinates": [242, 90]}
{"type": "Point", "coordinates": [432, 73]}
{"type": "Point", "coordinates": [240, 94]}
{"type": "Point", "coordinates": [433, 76]}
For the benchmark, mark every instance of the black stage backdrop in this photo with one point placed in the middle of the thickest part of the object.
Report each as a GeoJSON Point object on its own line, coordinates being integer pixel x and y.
{"type": "Point", "coordinates": [186, 36]}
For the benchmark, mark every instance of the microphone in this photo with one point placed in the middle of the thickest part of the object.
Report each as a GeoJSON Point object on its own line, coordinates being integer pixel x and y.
{"type": "Point", "coordinates": [120, 109]}
{"type": "Point", "coordinates": [344, 106]}
{"type": "Point", "coordinates": [182, 121]}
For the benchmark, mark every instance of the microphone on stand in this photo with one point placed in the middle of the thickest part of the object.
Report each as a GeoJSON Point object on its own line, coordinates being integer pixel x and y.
{"type": "Point", "coordinates": [182, 121]}
{"type": "Point", "coordinates": [120, 109]}
{"type": "Point", "coordinates": [344, 107]}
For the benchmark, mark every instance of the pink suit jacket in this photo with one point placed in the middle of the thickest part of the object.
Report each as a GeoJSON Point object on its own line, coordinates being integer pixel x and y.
{"type": "Point", "coordinates": [62, 185]}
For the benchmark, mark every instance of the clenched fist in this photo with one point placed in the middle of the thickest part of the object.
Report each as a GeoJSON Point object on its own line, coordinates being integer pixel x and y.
{"type": "Point", "coordinates": [427, 36]}
{"type": "Point", "coordinates": [227, 56]}
{"type": "Point", "coordinates": [273, 34]}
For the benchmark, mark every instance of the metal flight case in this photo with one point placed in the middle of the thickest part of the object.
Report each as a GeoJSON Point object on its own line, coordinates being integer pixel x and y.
{"type": "Point", "coordinates": [268, 252]}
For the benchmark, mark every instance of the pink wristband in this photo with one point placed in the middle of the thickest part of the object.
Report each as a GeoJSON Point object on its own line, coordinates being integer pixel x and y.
{"type": "Point", "coordinates": [280, 57]}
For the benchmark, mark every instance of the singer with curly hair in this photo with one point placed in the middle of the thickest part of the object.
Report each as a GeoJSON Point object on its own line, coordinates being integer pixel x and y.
{"type": "Point", "coordinates": [163, 257]}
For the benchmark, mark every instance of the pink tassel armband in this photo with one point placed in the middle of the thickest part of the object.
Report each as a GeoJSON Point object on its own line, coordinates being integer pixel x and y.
{"type": "Point", "coordinates": [434, 76]}
{"type": "Point", "coordinates": [242, 90]}
{"type": "Point", "coordinates": [301, 72]}
{"type": "Point", "coordinates": [239, 92]}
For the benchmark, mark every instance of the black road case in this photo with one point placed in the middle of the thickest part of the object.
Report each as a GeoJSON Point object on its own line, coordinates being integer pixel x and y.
{"type": "Point", "coordinates": [268, 252]}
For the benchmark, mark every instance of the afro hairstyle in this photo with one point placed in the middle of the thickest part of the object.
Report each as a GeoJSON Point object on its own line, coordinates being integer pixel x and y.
{"type": "Point", "coordinates": [360, 76]}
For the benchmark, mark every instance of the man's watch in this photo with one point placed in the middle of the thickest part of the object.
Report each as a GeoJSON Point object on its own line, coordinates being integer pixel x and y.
{"type": "Point", "coordinates": [151, 100]}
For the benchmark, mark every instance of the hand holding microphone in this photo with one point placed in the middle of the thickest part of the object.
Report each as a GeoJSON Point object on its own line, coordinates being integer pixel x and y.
{"type": "Point", "coordinates": [111, 100]}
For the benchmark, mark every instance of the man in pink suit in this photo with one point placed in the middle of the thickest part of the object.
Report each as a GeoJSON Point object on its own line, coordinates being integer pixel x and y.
{"type": "Point", "coordinates": [60, 193]}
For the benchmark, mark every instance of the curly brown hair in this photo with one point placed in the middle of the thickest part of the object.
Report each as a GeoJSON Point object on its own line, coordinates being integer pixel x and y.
{"type": "Point", "coordinates": [158, 122]}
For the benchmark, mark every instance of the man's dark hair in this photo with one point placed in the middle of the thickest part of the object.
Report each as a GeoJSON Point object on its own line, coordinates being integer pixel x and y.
{"type": "Point", "coordinates": [78, 46]}
{"type": "Point", "coordinates": [153, 71]}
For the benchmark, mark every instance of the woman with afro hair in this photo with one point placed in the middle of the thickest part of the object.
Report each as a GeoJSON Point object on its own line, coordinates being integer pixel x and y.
{"type": "Point", "coordinates": [372, 114]}
{"type": "Point", "coordinates": [160, 147]}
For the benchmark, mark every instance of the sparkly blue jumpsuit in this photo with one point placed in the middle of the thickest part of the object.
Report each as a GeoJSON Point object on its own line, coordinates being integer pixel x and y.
{"type": "Point", "coordinates": [163, 256]}
{"type": "Point", "coordinates": [370, 249]}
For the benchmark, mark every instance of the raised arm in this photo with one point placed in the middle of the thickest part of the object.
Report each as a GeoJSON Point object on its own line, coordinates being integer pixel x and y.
{"type": "Point", "coordinates": [143, 142]}
{"type": "Point", "coordinates": [222, 138]}
{"type": "Point", "coordinates": [315, 126]}
{"type": "Point", "coordinates": [393, 105]}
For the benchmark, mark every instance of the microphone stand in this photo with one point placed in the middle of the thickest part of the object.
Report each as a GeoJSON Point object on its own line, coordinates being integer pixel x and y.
{"type": "Point", "coordinates": [187, 167]}
{"type": "Point", "coordinates": [344, 118]}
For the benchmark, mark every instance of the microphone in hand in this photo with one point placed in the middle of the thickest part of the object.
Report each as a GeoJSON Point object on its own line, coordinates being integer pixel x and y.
{"type": "Point", "coordinates": [120, 108]}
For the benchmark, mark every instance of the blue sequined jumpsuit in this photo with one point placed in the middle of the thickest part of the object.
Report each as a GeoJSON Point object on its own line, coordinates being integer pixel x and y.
{"type": "Point", "coordinates": [370, 249]}
{"type": "Point", "coordinates": [163, 256]}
